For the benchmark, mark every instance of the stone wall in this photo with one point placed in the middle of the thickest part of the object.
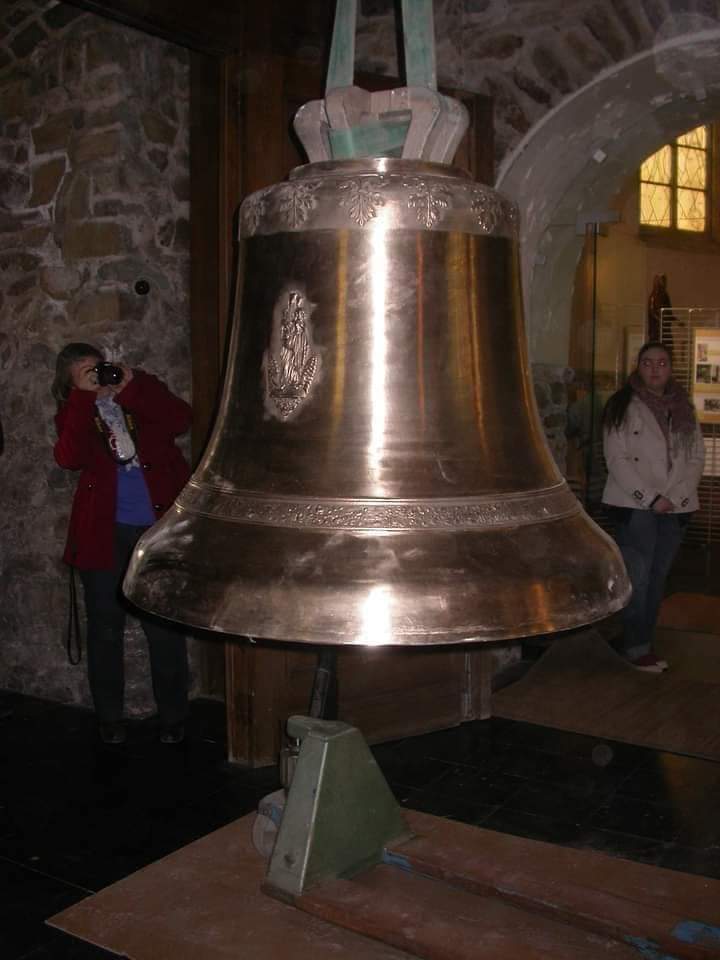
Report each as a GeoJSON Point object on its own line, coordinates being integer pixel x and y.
{"type": "Point", "coordinates": [551, 396]}
{"type": "Point", "coordinates": [94, 246]}
{"type": "Point", "coordinates": [529, 56]}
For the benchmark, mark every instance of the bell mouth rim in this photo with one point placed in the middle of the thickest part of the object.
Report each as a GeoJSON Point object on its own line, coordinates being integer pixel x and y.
{"type": "Point", "coordinates": [379, 166]}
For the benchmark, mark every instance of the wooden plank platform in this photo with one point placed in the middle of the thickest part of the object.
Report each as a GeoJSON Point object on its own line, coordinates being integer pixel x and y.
{"type": "Point", "coordinates": [454, 889]}
{"type": "Point", "coordinates": [495, 896]}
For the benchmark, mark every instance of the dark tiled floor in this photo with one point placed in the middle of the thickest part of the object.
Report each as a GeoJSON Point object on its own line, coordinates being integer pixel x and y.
{"type": "Point", "coordinates": [76, 816]}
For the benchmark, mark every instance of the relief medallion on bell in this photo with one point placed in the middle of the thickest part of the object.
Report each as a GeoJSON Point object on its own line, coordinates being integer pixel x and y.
{"type": "Point", "coordinates": [291, 363]}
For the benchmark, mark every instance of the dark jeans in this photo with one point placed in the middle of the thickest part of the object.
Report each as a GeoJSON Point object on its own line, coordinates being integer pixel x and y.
{"type": "Point", "coordinates": [106, 611]}
{"type": "Point", "coordinates": [648, 542]}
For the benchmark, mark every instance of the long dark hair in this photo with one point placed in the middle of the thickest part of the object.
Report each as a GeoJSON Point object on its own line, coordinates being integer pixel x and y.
{"type": "Point", "coordinates": [617, 405]}
{"type": "Point", "coordinates": [70, 353]}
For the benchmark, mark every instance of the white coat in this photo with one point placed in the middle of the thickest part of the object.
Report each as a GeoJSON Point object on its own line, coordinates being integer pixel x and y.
{"type": "Point", "coordinates": [636, 458]}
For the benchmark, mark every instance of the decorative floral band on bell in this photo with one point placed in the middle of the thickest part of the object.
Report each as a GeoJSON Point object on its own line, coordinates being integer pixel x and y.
{"type": "Point", "coordinates": [363, 193]}
{"type": "Point", "coordinates": [510, 510]}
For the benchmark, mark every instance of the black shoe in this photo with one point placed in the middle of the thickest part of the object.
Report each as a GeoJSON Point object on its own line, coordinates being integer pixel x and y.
{"type": "Point", "coordinates": [172, 733]}
{"type": "Point", "coordinates": [112, 733]}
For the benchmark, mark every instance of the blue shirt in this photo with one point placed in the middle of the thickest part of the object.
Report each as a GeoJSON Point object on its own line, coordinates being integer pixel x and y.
{"type": "Point", "coordinates": [133, 499]}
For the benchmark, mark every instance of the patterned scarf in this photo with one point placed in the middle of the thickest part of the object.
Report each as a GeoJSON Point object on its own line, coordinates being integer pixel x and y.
{"type": "Point", "coordinates": [673, 411]}
{"type": "Point", "coordinates": [118, 435]}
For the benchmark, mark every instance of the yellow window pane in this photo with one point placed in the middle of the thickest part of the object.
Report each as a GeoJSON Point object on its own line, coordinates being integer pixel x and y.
{"type": "Point", "coordinates": [691, 165]}
{"type": "Point", "coordinates": [655, 205]}
{"type": "Point", "coordinates": [694, 138]}
{"type": "Point", "coordinates": [690, 210]}
{"type": "Point", "coordinates": [658, 167]}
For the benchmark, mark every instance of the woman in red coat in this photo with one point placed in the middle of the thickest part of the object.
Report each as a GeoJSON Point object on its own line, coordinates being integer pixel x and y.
{"type": "Point", "coordinates": [121, 437]}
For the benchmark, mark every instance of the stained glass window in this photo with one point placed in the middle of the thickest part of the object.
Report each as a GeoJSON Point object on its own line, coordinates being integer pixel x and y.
{"type": "Point", "coordinates": [674, 184]}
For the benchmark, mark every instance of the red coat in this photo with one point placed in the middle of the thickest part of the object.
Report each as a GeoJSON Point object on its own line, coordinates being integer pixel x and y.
{"type": "Point", "coordinates": [159, 417]}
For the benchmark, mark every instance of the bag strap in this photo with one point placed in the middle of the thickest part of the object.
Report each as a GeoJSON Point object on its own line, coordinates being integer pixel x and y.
{"type": "Point", "coordinates": [74, 636]}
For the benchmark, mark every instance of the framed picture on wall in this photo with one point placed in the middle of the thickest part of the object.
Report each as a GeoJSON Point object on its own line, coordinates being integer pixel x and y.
{"type": "Point", "coordinates": [705, 373]}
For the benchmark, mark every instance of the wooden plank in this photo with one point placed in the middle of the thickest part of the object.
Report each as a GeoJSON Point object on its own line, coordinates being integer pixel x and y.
{"type": "Point", "coordinates": [204, 902]}
{"type": "Point", "coordinates": [614, 897]}
{"type": "Point", "coordinates": [436, 921]}
{"type": "Point", "coordinates": [480, 674]}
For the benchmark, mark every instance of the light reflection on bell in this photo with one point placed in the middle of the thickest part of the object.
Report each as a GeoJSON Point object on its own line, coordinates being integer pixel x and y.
{"type": "Point", "coordinates": [378, 473]}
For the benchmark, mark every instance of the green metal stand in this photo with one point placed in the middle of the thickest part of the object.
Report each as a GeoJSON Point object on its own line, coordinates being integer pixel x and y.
{"type": "Point", "coordinates": [340, 813]}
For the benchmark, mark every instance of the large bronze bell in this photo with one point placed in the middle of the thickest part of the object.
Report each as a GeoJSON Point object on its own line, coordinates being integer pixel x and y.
{"type": "Point", "coordinates": [378, 473]}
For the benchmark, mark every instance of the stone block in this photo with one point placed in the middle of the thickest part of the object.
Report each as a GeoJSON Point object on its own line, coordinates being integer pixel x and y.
{"type": "Point", "coordinates": [27, 40]}
{"type": "Point", "coordinates": [81, 241]}
{"type": "Point", "coordinates": [54, 134]}
{"type": "Point", "coordinates": [98, 312]}
{"type": "Point", "coordinates": [542, 395]}
{"type": "Point", "coordinates": [17, 262]}
{"type": "Point", "coordinates": [165, 232]}
{"type": "Point", "coordinates": [13, 98]}
{"type": "Point", "coordinates": [591, 58]}
{"type": "Point", "coordinates": [106, 181]}
{"type": "Point", "coordinates": [500, 47]}
{"type": "Point", "coordinates": [14, 188]}
{"type": "Point", "coordinates": [157, 129]}
{"type": "Point", "coordinates": [551, 70]}
{"type": "Point", "coordinates": [45, 181]}
{"type": "Point", "coordinates": [60, 283]}
{"type": "Point", "coordinates": [181, 241]}
{"type": "Point", "coordinates": [12, 222]}
{"type": "Point", "coordinates": [559, 393]}
{"type": "Point", "coordinates": [117, 114]}
{"type": "Point", "coordinates": [107, 86]}
{"type": "Point", "coordinates": [73, 199]}
{"type": "Point", "coordinates": [603, 29]}
{"type": "Point", "coordinates": [531, 88]}
{"type": "Point", "coordinates": [131, 269]}
{"type": "Point", "coordinates": [169, 109]}
{"type": "Point", "coordinates": [554, 420]}
{"type": "Point", "coordinates": [24, 285]}
{"type": "Point", "coordinates": [15, 17]}
{"type": "Point", "coordinates": [28, 237]}
{"type": "Point", "coordinates": [98, 146]}
{"type": "Point", "coordinates": [158, 158]}
{"type": "Point", "coordinates": [72, 63]}
{"type": "Point", "coordinates": [181, 188]}
{"type": "Point", "coordinates": [107, 48]}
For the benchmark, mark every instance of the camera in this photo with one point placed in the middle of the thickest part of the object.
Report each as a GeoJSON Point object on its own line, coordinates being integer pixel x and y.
{"type": "Point", "coordinates": [108, 375]}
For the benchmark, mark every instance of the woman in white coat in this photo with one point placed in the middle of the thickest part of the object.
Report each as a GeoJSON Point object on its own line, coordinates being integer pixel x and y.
{"type": "Point", "coordinates": [655, 456]}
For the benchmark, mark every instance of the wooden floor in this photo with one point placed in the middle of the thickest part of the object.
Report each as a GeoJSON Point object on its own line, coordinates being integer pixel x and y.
{"type": "Point", "coordinates": [451, 892]}
{"type": "Point", "coordinates": [696, 612]}
{"type": "Point", "coordinates": [580, 684]}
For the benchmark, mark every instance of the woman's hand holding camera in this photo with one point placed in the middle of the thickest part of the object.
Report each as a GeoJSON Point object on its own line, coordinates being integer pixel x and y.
{"type": "Point", "coordinates": [85, 377]}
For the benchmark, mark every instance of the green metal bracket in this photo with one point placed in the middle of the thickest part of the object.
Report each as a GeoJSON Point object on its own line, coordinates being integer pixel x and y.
{"type": "Point", "coordinates": [340, 813]}
{"type": "Point", "coordinates": [419, 37]}
{"type": "Point", "coordinates": [341, 68]}
{"type": "Point", "coordinates": [369, 140]}
{"type": "Point", "coordinates": [384, 136]}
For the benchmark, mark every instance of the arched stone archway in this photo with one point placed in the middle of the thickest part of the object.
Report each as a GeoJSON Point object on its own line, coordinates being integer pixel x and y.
{"type": "Point", "coordinates": [570, 164]}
